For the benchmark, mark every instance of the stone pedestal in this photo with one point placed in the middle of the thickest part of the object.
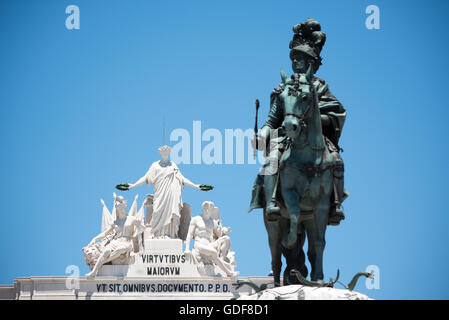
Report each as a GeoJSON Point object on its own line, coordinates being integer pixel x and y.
{"type": "Point", "coordinates": [161, 258]}
{"type": "Point", "coordinates": [116, 288]}
{"type": "Point", "coordinates": [159, 271]}
{"type": "Point", "coordinates": [56, 288]}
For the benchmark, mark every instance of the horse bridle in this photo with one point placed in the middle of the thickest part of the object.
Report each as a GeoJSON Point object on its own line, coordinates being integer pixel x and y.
{"type": "Point", "coordinates": [304, 118]}
{"type": "Point", "coordinates": [301, 118]}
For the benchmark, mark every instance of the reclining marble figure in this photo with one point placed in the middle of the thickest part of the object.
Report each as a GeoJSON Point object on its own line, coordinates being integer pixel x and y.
{"type": "Point", "coordinates": [118, 235]}
{"type": "Point", "coordinates": [211, 241]}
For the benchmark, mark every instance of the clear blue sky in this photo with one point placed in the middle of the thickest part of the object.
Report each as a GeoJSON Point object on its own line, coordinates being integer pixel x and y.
{"type": "Point", "coordinates": [82, 110]}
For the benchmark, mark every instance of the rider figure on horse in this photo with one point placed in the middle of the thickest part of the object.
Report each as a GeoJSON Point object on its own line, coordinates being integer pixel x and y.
{"type": "Point", "coordinates": [271, 137]}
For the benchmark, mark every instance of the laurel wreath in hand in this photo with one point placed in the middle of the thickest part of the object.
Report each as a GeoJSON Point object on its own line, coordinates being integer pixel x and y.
{"type": "Point", "coordinates": [205, 187]}
{"type": "Point", "coordinates": [122, 186]}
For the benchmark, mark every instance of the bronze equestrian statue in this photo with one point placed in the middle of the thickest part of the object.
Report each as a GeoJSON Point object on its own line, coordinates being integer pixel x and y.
{"type": "Point", "coordinates": [301, 186]}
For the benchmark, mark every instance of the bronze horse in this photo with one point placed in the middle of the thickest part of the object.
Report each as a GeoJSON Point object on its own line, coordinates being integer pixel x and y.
{"type": "Point", "coordinates": [305, 184]}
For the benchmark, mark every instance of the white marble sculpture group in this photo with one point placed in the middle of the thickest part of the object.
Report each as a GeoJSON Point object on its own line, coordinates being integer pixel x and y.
{"type": "Point", "coordinates": [162, 215]}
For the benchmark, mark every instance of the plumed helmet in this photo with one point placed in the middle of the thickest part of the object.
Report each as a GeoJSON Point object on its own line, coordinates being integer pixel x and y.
{"type": "Point", "coordinates": [309, 39]}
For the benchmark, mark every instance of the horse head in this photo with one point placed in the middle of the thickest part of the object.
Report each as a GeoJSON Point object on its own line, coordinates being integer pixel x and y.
{"type": "Point", "coordinates": [298, 101]}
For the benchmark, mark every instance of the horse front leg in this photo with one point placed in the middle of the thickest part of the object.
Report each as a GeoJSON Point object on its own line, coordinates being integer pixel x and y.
{"type": "Point", "coordinates": [321, 220]}
{"type": "Point", "coordinates": [295, 259]}
{"type": "Point", "coordinates": [274, 241]}
{"type": "Point", "coordinates": [291, 200]}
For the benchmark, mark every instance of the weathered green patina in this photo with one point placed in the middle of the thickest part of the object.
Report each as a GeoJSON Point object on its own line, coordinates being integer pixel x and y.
{"type": "Point", "coordinates": [301, 186]}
